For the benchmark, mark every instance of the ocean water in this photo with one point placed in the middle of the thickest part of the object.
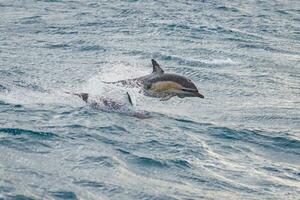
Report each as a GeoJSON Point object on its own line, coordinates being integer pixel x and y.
{"type": "Point", "coordinates": [241, 142]}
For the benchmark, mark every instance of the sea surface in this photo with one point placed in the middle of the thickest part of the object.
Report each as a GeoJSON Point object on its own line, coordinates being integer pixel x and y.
{"type": "Point", "coordinates": [242, 141]}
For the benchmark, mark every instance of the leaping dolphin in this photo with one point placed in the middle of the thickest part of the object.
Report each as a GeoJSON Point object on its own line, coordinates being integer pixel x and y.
{"type": "Point", "coordinates": [163, 85]}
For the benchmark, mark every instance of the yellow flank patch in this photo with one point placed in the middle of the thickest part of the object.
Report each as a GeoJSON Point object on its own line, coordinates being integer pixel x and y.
{"type": "Point", "coordinates": [165, 85]}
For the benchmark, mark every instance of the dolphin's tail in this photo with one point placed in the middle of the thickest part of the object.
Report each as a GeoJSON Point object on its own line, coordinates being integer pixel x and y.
{"type": "Point", "coordinates": [128, 82]}
{"type": "Point", "coordinates": [110, 82]}
{"type": "Point", "coordinates": [114, 82]}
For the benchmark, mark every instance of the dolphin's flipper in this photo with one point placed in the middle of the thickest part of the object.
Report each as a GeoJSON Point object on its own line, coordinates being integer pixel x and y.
{"type": "Point", "coordinates": [129, 98]}
{"type": "Point", "coordinates": [156, 67]}
{"type": "Point", "coordinates": [167, 97]}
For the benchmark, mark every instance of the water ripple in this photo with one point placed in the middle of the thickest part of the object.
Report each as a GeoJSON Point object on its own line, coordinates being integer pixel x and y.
{"type": "Point", "coordinates": [64, 195]}
{"type": "Point", "coordinates": [36, 134]}
{"type": "Point", "coordinates": [240, 142]}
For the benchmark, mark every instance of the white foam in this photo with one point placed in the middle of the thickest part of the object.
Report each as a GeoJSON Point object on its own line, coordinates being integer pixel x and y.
{"type": "Point", "coordinates": [220, 61]}
{"type": "Point", "coordinates": [29, 97]}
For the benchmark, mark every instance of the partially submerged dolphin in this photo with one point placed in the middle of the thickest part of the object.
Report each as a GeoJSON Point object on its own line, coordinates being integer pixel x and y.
{"type": "Point", "coordinates": [163, 85]}
{"type": "Point", "coordinates": [108, 104]}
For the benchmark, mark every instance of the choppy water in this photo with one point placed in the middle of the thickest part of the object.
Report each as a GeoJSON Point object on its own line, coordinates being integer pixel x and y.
{"type": "Point", "coordinates": [241, 142]}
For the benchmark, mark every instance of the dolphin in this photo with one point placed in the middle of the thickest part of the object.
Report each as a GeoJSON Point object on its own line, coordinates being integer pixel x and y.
{"type": "Point", "coordinates": [108, 104]}
{"type": "Point", "coordinates": [162, 85]}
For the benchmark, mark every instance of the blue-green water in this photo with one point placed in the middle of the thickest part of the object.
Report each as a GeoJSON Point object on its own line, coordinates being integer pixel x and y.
{"type": "Point", "coordinates": [241, 142]}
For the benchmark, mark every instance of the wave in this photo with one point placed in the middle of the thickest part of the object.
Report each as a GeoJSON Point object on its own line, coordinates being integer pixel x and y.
{"type": "Point", "coordinates": [63, 195]}
{"type": "Point", "coordinates": [20, 197]}
{"type": "Point", "coordinates": [270, 139]}
{"type": "Point", "coordinates": [159, 163]}
{"type": "Point", "coordinates": [258, 137]}
{"type": "Point", "coordinates": [36, 134]}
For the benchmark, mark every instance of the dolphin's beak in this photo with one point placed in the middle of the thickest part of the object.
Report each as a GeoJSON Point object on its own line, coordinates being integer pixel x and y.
{"type": "Point", "coordinates": [200, 95]}
{"type": "Point", "coordinates": [193, 92]}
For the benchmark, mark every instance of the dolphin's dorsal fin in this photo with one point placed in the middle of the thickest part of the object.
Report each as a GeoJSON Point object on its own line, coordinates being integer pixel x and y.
{"type": "Point", "coordinates": [129, 98]}
{"type": "Point", "coordinates": [83, 96]}
{"type": "Point", "coordinates": [156, 67]}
